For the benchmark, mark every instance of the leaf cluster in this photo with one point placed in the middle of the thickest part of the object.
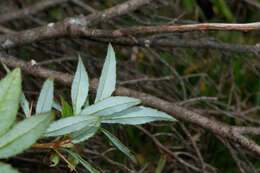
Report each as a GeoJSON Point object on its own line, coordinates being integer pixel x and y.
{"type": "Point", "coordinates": [79, 121]}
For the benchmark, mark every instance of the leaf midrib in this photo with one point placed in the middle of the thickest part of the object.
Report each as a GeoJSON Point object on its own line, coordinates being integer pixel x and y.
{"type": "Point", "coordinates": [110, 107]}
{"type": "Point", "coordinates": [23, 134]}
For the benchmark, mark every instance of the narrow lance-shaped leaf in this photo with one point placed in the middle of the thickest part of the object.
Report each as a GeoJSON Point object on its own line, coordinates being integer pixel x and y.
{"type": "Point", "coordinates": [137, 115]}
{"type": "Point", "coordinates": [85, 133]}
{"type": "Point", "coordinates": [45, 100]}
{"type": "Point", "coordinates": [70, 124]}
{"type": "Point", "coordinates": [6, 68]}
{"type": "Point", "coordinates": [73, 161]}
{"type": "Point", "coordinates": [107, 81]}
{"type": "Point", "coordinates": [82, 161]}
{"type": "Point", "coordinates": [6, 168]}
{"type": "Point", "coordinates": [24, 134]}
{"type": "Point", "coordinates": [55, 159]}
{"type": "Point", "coordinates": [10, 90]}
{"type": "Point", "coordinates": [161, 164]}
{"type": "Point", "coordinates": [119, 145]}
{"type": "Point", "coordinates": [110, 106]}
{"type": "Point", "coordinates": [56, 106]}
{"type": "Point", "coordinates": [25, 105]}
{"type": "Point", "coordinates": [79, 89]}
{"type": "Point", "coordinates": [66, 109]}
{"type": "Point", "coordinates": [23, 101]}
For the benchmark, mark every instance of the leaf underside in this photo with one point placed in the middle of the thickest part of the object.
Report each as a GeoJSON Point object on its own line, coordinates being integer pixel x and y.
{"type": "Point", "coordinates": [107, 81]}
{"type": "Point", "coordinates": [82, 161]}
{"type": "Point", "coordinates": [137, 115]}
{"type": "Point", "coordinates": [10, 90]}
{"type": "Point", "coordinates": [6, 168]}
{"type": "Point", "coordinates": [119, 145]}
{"type": "Point", "coordinates": [24, 134]}
{"type": "Point", "coordinates": [45, 100]}
{"type": "Point", "coordinates": [110, 106]}
{"type": "Point", "coordinates": [79, 88]}
{"type": "Point", "coordinates": [70, 124]}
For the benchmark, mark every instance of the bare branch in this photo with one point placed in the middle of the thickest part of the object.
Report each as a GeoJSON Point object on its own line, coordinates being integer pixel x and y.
{"type": "Point", "coordinates": [68, 25]}
{"type": "Point", "coordinates": [29, 10]}
{"type": "Point", "coordinates": [183, 43]}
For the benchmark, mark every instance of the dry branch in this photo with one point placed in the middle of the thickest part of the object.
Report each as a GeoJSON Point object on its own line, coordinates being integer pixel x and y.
{"type": "Point", "coordinates": [29, 10]}
{"type": "Point", "coordinates": [121, 36]}
{"type": "Point", "coordinates": [61, 29]}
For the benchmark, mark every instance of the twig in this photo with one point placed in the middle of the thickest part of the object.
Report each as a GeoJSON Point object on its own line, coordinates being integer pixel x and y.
{"type": "Point", "coordinates": [119, 165]}
{"type": "Point", "coordinates": [29, 10]}
{"type": "Point", "coordinates": [203, 166]}
{"type": "Point", "coordinates": [145, 79]}
{"type": "Point", "coordinates": [197, 99]}
{"type": "Point", "coordinates": [165, 149]}
{"type": "Point", "coordinates": [84, 6]}
{"type": "Point", "coordinates": [183, 43]}
{"type": "Point", "coordinates": [172, 69]}
{"type": "Point", "coordinates": [233, 154]}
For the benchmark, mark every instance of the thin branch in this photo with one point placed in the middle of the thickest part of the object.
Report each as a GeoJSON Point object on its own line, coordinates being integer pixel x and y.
{"type": "Point", "coordinates": [172, 70]}
{"type": "Point", "coordinates": [29, 10]}
{"type": "Point", "coordinates": [165, 149]}
{"type": "Point", "coordinates": [197, 99]}
{"type": "Point", "coordinates": [185, 28]}
{"type": "Point", "coordinates": [233, 154]}
{"type": "Point", "coordinates": [84, 6]}
{"type": "Point", "coordinates": [145, 79]}
{"type": "Point", "coordinates": [182, 43]}
{"type": "Point", "coordinates": [76, 27]}
{"type": "Point", "coordinates": [197, 151]}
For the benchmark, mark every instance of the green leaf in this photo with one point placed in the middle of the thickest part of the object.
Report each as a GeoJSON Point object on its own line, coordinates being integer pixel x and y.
{"type": "Point", "coordinates": [225, 9]}
{"type": "Point", "coordinates": [24, 134]}
{"type": "Point", "coordinates": [119, 145]}
{"type": "Point", "coordinates": [73, 161]}
{"type": "Point", "coordinates": [79, 89]}
{"type": "Point", "coordinates": [107, 81]}
{"type": "Point", "coordinates": [55, 159]}
{"type": "Point", "coordinates": [45, 100]}
{"type": "Point", "coordinates": [23, 101]}
{"type": "Point", "coordinates": [57, 106]}
{"type": "Point", "coordinates": [6, 168]}
{"type": "Point", "coordinates": [137, 115]}
{"type": "Point", "coordinates": [66, 109]}
{"type": "Point", "coordinates": [82, 161]}
{"type": "Point", "coordinates": [70, 124]}
{"type": "Point", "coordinates": [6, 68]}
{"type": "Point", "coordinates": [25, 105]}
{"type": "Point", "coordinates": [10, 90]}
{"type": "Point", "coordinates": [110, 105]}
{"type": "Point", "coordinates": [85, 133]}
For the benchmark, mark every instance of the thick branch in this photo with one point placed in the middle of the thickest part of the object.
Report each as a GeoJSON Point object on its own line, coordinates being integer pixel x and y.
{"type": "Point", "coordinates": [178, 112]}
{"type": "Point", "coordinates": [61, 29]}
{"type": "Point", "coordinates": [121, 36]}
